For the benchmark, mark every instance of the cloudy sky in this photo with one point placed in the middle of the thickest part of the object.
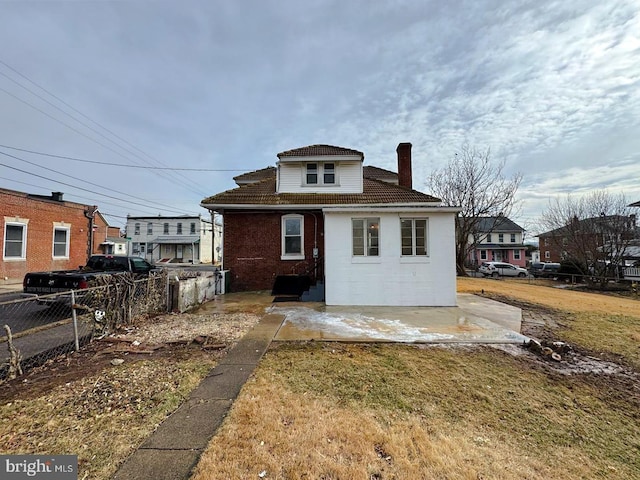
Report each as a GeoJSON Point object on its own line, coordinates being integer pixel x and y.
{"type": "Point", "coordinates": [551, 87]}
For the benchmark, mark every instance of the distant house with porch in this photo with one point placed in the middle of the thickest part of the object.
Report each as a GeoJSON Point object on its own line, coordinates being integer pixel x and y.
{"type": "Point", "coordinates": [361, 234]}
{"type": "Point", "coordinates": [179, 239]}
{"type": "Point", "coordinates": [497, 239]}
{"type": "Point", "coordinates": [107, 239]}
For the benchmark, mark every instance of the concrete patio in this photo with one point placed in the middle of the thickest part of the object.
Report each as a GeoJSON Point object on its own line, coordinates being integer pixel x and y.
{"type": "Point", "coordinates": [474, 320]}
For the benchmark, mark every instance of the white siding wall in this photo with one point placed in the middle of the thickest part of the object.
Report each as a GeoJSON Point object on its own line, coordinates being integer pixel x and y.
{"type": "Point", "coordinates": [390, 279]}
{"type": "Point", "coordinates": [348, 177]}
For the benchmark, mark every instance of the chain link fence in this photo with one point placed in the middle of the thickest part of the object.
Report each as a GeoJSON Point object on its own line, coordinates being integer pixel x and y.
{"type": "Point", "coordinates": [35, 330]}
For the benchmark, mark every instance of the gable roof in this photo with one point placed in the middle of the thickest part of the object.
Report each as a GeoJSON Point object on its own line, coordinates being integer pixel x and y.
{"type": "Point", "coordinates": [377, 173]}
{"type": "Point", "coordinates": [263, 193]}
{"type": "Point", "coordinates": [497, 224]}
{"type": "Point", "coordinates": [320, 151]}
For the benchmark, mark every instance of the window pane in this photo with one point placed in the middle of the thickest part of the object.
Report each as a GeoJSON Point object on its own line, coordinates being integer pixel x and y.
{"type": "Point", "coordinates": [193, 228]}
{"type": "Point", "coordinates": [421, 237]}
{"type": "Point", "coordinates": [179, 228]}
{"type": "Point", "coordinates": [60, 236]}
{"type": "Point", "coordinates": [136, 230]}
{"type": "Point", "coordinates": [372, 236]}
{"type": "Point", "coordinates": [358, 236]}
{"type": "Point", "coordinates": [312, 173]}
{"type": "Point", "coordinates": [14, 232]}
{"type": "Point", "coordinates": [292, 245]}
{"type": "Point", "coordinates": [59, 249]}
{"type": "Point", "coordinates": [292, 226]}
{"type": "Point", "coordinates": [329, 173]}
{"type": "Point", "coordinates": [166, 228]}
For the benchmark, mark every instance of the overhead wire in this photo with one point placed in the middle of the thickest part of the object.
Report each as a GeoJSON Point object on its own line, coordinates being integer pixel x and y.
{"type": "Point", "coordinates": [80, 188]}
{"type": "Point", "coordinates": [188, 185]}
{"type": "Point", "coordinates": [122, 164]}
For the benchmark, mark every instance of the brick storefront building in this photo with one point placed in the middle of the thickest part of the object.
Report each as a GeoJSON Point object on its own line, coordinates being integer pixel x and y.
{"type": "Point", "coordinates": [41, 233]}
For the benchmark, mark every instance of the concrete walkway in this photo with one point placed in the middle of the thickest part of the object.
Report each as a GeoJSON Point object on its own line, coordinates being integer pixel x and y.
{"type": "Point", "coordinates": [174, 449]}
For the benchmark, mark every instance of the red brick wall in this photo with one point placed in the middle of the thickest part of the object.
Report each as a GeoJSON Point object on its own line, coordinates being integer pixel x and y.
{"type": "Point", "coordinates": [41, 216]}
{"type": "Point", "coordinates": [252, 248]}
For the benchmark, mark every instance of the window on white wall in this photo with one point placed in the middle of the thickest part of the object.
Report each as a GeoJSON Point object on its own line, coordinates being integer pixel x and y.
{"type": "Point", "coordinates": [501, 238]}
{"type": "Point", "coordinates": [136, 229]}
{"type": "Point", "coordinates": [15, 241]}
{"type": "Point", "coordinates": [149, 228]}
{"type": "Point", "coordinates": [61, 242]}
{"type": "Point", "coordinates": [488, 238]}
{"type": "Point", "coordinates": [192, 228]}
{"type": "Point", "coordinates": [365, 234]}
{"type": "Point", "coordinates": [292, 237]}
{"type": "Point", "coordinates": [329, 173]}
{"type": "Point", "coordinates": [413, 232]}
{"type": "Point", "coordinates": [312, 173]}
{"type": "Point", "coordinates": [513, 238]}
{"type": "Point", "coordinates": [165, 229]}
{"type": "Point", "coordinates": [179, 228]}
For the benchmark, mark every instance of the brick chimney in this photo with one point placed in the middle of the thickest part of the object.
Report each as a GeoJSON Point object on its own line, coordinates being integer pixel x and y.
{"type": "Point", "coordinates": [404, 165]}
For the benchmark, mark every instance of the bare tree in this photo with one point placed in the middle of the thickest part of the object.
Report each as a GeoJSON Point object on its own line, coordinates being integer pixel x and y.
{"type": "Point", "coordinates": [474, 183]}
{"type": "Point", "coordinates": [592, 232]}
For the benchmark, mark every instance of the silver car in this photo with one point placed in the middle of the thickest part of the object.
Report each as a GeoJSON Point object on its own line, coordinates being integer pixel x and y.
{"type": "Point", "coordinates": [498, 269]}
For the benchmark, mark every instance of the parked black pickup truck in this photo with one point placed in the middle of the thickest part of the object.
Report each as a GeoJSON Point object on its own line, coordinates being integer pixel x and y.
{"type": "Point", "coordinates": [47, 283]}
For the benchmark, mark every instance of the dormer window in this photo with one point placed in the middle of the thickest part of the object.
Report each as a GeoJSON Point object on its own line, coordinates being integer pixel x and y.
{"type": "Point", "coordinates": [329, 175]}
{"type": "Point", "coordinates": [312, 173]}
{"type": "Point", "coordinates": [320, 174]}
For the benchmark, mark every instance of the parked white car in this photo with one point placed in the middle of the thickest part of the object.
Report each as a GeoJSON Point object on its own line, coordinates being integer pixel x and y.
{"type": "Point", "coordinates": [497, 269]}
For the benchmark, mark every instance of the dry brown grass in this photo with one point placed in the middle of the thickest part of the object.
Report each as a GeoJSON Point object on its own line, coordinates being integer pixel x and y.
{"type": "Point", "coordinates": [391, 411]}
{"type": "Point", "coordinates": [559, 298]}
{"type": "Point", "coordinates": [603, 325]}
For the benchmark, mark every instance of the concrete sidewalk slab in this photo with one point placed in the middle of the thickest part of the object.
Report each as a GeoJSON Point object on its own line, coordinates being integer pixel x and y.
{"type": "Point", "coordinates": [173, 450]}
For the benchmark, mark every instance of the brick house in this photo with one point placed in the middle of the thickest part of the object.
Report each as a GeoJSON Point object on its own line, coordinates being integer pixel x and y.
{"type": "Point", "coordinates": [361, 231]}
{"type": "Point", "coordinates": [497, 239]}
{"type": "Point", "coordinates": [107, 239]}
{"type": "Point", "coordinates": [41, 233]}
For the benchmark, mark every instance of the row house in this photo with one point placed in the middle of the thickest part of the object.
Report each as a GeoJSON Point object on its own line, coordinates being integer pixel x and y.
{"type": "Point", "coordinates": [178, 239]}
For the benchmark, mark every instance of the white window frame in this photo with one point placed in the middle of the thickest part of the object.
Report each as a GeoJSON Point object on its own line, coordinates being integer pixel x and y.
{"type": "Point", "coordinates": [483, 254]}
{"type": "Point", "coordinates": [501, 238]}
{"type": "Point", "coordinates": [179, 228]}
{"type": "Point", "coordinates": [165, 228]}
{"type": "Point", "coordinates": [367, 243]}
{"type": "Point", "coordinates": [149, 228]}
{"type": "Point", "coordinates": [67, 231]}
{"type": "Point", "coordinates": [413, 237]}
{"type": "Point", "coordinates": [488, 238]}
{"type": "Point", "coordinates": [192, 228]}
{"type": "Point", "coordinates": [547, 254]}
{"type": "Point", "coordinates": [23, 253]}
{"type": "Point", "coordinates": [136, 228]}
{"type": "Point", "coordinates": [516, 254]}
{"type": "Point", "coordinates": [319, 172]}
{"type": "Point", "coordinates": [513, 238]}
{"type": "Point", "coordinates": [283, 226]}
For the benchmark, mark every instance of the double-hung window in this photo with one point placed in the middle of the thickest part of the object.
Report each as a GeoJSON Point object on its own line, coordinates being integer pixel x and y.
{"type": "Point", "coordinates": [329, 173]}
{"type": "Point", "coordinates": [165, 229]}
{"type": "Point", "coordinates": [501, 238]}
{"type": "Point", "coordinates": [292, 237]}
{"type": "Point", "coordinates": [179, 228]}
{"type": "Point", "coordinates": [312, 173]}
{"type": "Point", "coordinates": [413, 233]}
{"type": "Point", "coordinates": [192, 228]}
{"type": "Point", "coordinates": [15, 241]}
{"type": "Point", "coordinates": [365, 236]}
{"type": "Point", "coordinates": [136, 229]}
{"type": "Point", "coordinates": [513, 238]}
{"type": "Point", "coordinates": [150, 228]}
{"type": "Point", "coordinates": [61, 242]}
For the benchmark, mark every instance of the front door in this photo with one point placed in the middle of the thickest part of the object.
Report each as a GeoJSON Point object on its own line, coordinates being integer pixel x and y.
{"type": "Point", "coordinates": [179, 251]}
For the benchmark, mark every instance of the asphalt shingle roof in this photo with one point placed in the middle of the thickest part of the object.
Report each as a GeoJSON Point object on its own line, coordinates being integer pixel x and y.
{"type": "Point", "coordinates": [255, 176]}
{"type": "Point", "coordinates": [319, 150]}
{"type": "Point", "coordinates": [497, 224]}
{"type": "Point", "coordinates": [264, 193]}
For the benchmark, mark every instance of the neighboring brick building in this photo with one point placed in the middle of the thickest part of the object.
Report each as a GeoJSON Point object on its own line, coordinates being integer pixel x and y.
{"type": "Point", "coordinates": [41, 233]}
{"type": "Point", "coordinates": [107, 239]}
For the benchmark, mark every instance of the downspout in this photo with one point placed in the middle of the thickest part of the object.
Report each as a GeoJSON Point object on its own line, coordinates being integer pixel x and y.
{"type": "Point", "coordinates": [90, 215]}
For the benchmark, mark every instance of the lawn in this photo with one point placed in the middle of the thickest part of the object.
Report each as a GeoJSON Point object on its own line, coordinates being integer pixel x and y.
{"type": "Point", "coordinates": [350, 411]}
{"type": "Point", "coordinates": [335, 411]}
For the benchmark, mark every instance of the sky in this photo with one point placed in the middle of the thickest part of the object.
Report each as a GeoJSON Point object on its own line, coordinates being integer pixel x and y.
{"type": "Point", "coordinates": [131, 90]}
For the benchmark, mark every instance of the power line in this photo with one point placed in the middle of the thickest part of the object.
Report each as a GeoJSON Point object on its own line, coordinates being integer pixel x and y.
{"type": "Point", "coordinates": [75, 186]}
{"type": "Point", "coordinates": [123, 164]}
{"type": "Point", "coordinates": [186, 185]}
